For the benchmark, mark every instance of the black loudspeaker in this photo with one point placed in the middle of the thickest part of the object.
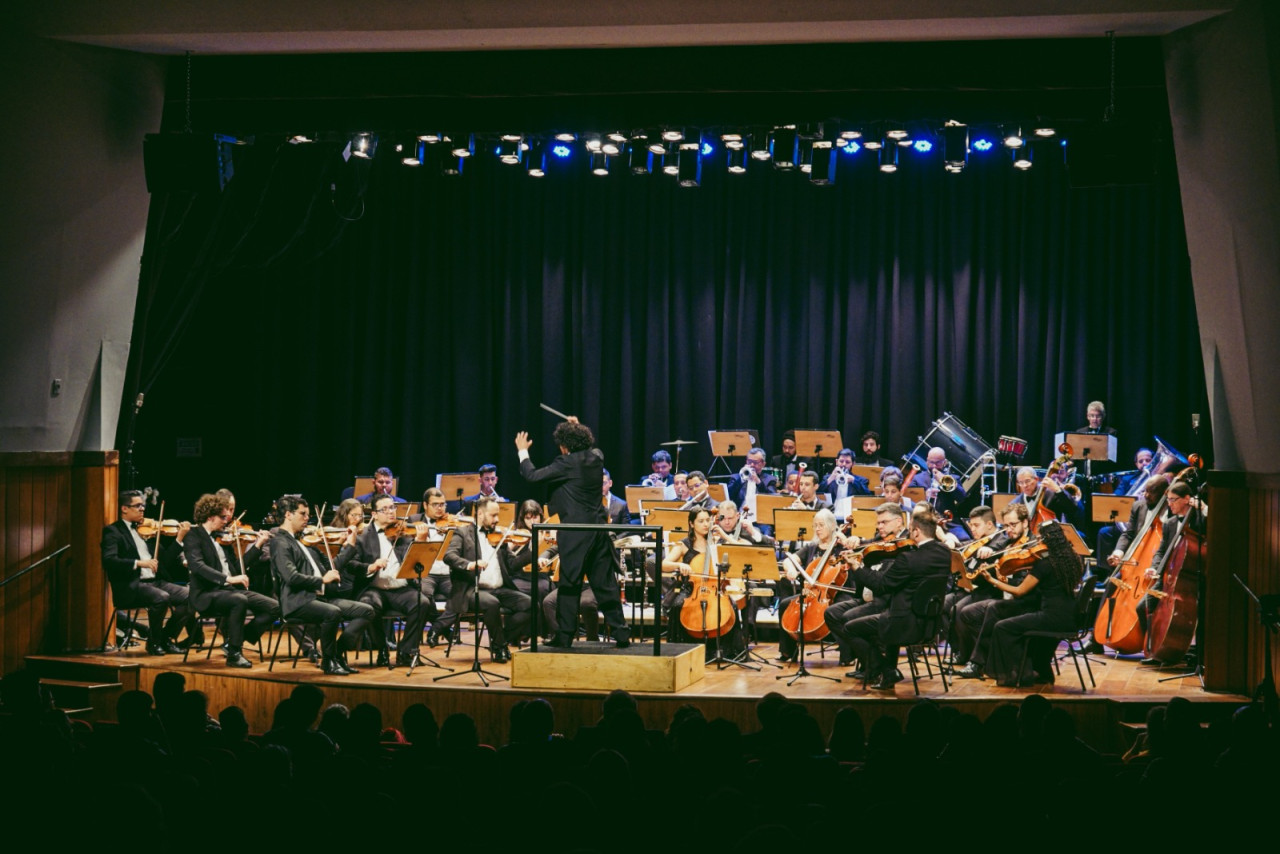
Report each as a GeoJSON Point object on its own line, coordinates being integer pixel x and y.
{"type": "Point", "coordinates": [187, 162]}
{"type": "Point", "coordinates": [1108, 154]}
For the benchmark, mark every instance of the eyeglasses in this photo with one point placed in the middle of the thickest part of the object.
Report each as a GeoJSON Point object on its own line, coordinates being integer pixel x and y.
{"type": "Point", "coordinates": [390, 509]}
{"type": "Point", "coordinates": [135, 506]}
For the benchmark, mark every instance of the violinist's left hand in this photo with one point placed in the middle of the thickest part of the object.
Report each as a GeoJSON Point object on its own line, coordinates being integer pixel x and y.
{"type": "Point", "coordinates": [263, 536]}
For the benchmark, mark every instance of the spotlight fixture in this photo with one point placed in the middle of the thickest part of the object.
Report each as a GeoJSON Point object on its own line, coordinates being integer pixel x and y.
{"type": "Point", "coordinates": [1044, 131]}
{"type": "Point", "coordinates": [1021, 158]}
{"type": "Point", "coordinates": [363, 145]}
{"type": "Point", "coordinates": [561, 150]}
{"type": "Point", "coordinates": [759, 144]}
{"type": "Point", "coordinates": [923, 146]}
{"type": "Point", "coordinates": [1013, 137]}
{"type": "Point", "coordinates": [639, 157]}
{"type": "Point", "coordinates": [983, 144]}
{"type": "Point", "coordinates": [689, 164]}
{"type": "Point", "coordinates": [670, 164]}
{"type": "Point", "coordinates": [300, 139]}
{"type": "Point", "coordinates": [955, 145]}
{"type": "Point", "coordinates": [823, 167]}
{"type": "Point", "coordinates": [535, 161]}
{"type": "Point", "coordinates": [432, 138]}
{"type": "Point", "coordinates": [672, 135]}
{"type": "Point", "coordinates": [805, 158]}
{"type": "Point", "coordinates": [566, 137]}
{"type": "Point", "coordinates": [451, 166]}
{"type": "Point", "coordinates": [897, 134]}
{"type": "Point", "coordinates": [871, 144]}
{"type": "Point", "coordinates": [889, 158]}
{"type": "Point", "coordinates": [612, 144]}
{"type": "Point", "coordinates": [850, 146]}
{"type": "Point", "coordinates": [732, 141]}
{"type": "Point", "coordinates": [511, 147]}
{"type": "Point", "coordinates": [737, 158]}
{"type": "Point", "coordinates": [657, 144]}
{"type": "Point", "coordinates": [415, 156]}
{"type": "Point", "coordinates": [850, 133]}
{"type": "Point", "coordinates": [464, 147]}
{"type": "Point", "coordinates": [599, 163]}
{"type": "Point", "coordinates": [784, 144]}
{"type": "Point", "coordinates": [592, 142]}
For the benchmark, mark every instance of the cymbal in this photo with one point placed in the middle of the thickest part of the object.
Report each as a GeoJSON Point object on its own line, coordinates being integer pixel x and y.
{"type": "Point", "coordinates": [678, 443]}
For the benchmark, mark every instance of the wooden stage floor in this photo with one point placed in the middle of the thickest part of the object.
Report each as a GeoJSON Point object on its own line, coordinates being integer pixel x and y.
{"type": "Point", "coordinates": [1104, 715]}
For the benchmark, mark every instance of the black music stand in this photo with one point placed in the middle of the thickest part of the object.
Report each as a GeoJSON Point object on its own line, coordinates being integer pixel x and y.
{"type": "Point", "coordinates": [754, 565]}
{"type": "Point", "coordinates": [730, 443]}
{"type": "Point", "coordinates": [1269, 616]}
{"type": "Point", "coordinates": [420, 557]}
{"type": "Point", "coordinates": [1088, 447]}
{"type": "Point", "coordinates": [819, 444]}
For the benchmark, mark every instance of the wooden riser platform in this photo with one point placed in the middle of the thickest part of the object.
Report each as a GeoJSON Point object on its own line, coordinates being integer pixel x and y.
{"type": "Point", "coordinates": [1124, 693]}
{"type": "Point", "coordinates": [601, 667]}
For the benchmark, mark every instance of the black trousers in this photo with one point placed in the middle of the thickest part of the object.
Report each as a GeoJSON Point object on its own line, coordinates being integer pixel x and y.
{"type": "Point", "coordinates": [407, 601]}
{"type": "Point", "coordinates": [976, 625]}
{"type": "Point", "coordinates": [328, 614]}
{"type": "Point", "coordinates": [590, 553]}
{"type": "Point", "coordinates": [496, 603]}
{"type": "Point", "coordinates": [156, 596]}
{"type": "Point", "coordinates": [864, 640]}
{"type": "Point", "coordinates": [842, 616]}
{"type": "Point", "coordinates": [234, 605]}
{"type": "Point", "coordinates": [588, 610]}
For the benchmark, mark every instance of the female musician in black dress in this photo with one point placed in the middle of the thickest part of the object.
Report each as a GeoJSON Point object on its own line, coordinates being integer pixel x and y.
{"type": "Point", "coordinates": [1054, 579]}
{"type": "Point", "coordinates": [677, 560]}
{"type": "Point", "coordinates": [519, 559]}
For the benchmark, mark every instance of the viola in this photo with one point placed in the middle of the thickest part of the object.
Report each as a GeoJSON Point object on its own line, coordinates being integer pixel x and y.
{"type": "Point", "coordinates": [149, 528]}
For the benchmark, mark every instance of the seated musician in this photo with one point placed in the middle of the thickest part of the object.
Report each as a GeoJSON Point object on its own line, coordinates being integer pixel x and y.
{"type": "Point", "coordinates": [1054, 578]}
{"type": "Point", "coordinates": [1096, 419]}
{"type": "Point", "coordinates": [135, 577]}
{"type": "Point", "coordinates": [619, 513]}
{"type": "Point", "coordinates": [793, 484]}
{"type": "Point", "coordinates": [751, 481]}
{"type": "Point", "coordinates": [891, 488]}
{"type": "Point", "coordinates": [678, 560]}
{"type": "Point", "coordinates": [808, 498]}
{"type": "Point", "coordinates": [974, 620]}
{"type": "Point", "coordinates": [304, 586]}
{"type": "Point", "coordinates": [375, 570]}
{"type": "Point", "coordinates": [983, 525]}
{"type": "Point", "coordinates": [436, 584]}
{"type": "Point", "coordinates": [1184, 509]}
{"type": "Point", "coordinates": [738, 530]}
{"type": "Point", "coordinates": [679, 487]}
{"type": "Point", "coordinates": [827, 537]}
{"type": "Point", "coordinates": [938, 467]}
{"type": "Point", "coordinates": [842, 484]}
{"type": "Point", "coordinates": [219, 586]}
{"type": "Point", "coordinates": [480, 582]}
{"type": "Point", "coordinates": [787, 462]}
{"type": "Point", "coordinates": [588, 605]}
{"type": "Point", "coordinates": [876, 639]}
{"type": "Point", "coordinates": [699, 492]}
{"type": "Point", "coordinates": [1055, 496]}
{"type": "Point", "coordinates": [518, 558]}
{"type": "Point", "coordinates": [661, 474]}
{"type": "Point", "coordinates": [488, 486]}
{"type": "Point", "coordinates": [384, 483]}
{"type": "Point", "coordinates": [891, 524]}
{"type": "Point", "coordinates": [870, 456]}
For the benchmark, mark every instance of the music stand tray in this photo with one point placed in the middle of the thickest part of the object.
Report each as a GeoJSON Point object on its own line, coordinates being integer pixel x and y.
{"type": "Point", "coordinates": [1073, 537]}
{"type": "Point", "coordinates": [871, 473]}
{"type": "Point", "coordinates": [636, 494]}
{"type": "Point", "coordinates": [732, 443]}
{"type": "Point", "coordinates": [417, 562]}
{"type": "Point", "coordinates": [1000, 500]}
{"type": "Point", "coordinates": [458, 484]}
{"type": "Point", "coordinates": [661, 504]}
{"type": "Point", "coordinates": [867, 502]}
{"type": "Point", "coordinates": [862, 523]}
{"type": "Point", "coordinates": [364, 485]}
{"type": "Point", "coordinates": [1092, 447]}
{"type": "Point", "coordinates": [1111, 508]}
{"type": "Point", "coordinates": [717, 492]}
{"type": "Point", "coordinates": [506, 513]}
{"type": "Point", "coordinates": [792, 524]}
{"type": "Point", "coordinates": [670, 521]}
{"type": "Point", "coordinates": [819, 443]}
{"type": "Point", "coordinates": [766, 505]}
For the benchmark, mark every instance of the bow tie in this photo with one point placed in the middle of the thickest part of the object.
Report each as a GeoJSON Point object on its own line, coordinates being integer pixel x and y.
{"type": "Point", "coordinates": [134, 525]}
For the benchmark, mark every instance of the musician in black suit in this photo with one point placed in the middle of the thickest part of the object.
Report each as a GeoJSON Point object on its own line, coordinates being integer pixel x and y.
{"type": "Point", "coordinates": [870, 456]}
{"type": "Point", "coordinates": [842, 615]}
{"type": "Point", "coordinates": [699, 492]}
{"type": "Point", "coordinates": [475, 564]}
{"type": "Point", "coordinates": [619, 513]}
{"type": "Point", "coordinates": [1052, 494]}
{"type": "Point", "coordinates": [876, 639]}
{"type": "Point", "coordinates": [134, 573]}
{"type": "Point", "coordinates": [975, 620]}
{"type": "Point", "coordinates": [219, 586]}
{"type": "Point", "coordinates": [436, 584]}
{"type": "Point", "coordinates": [809, 499]}
{"type": "Point", "coordinates": [842, 484]}
{"type": "Point", "coordinates": [1138, 513]}
{"type": "Point", "coordinates": [937, 466]}
{"type": "Point", "coordinates": [1096, 416]}
{"type": "Point", "coordinates": [575, 480]}
{"type": "Point", "coordinates": [375, 572]}
{"type": "Point", "coordinates": [787, 461]}
{"type": "Point", "coordinates": [384, 480]}
{"type": "Point", "coordinates": [488, 487]}
{"type": "Point", "coordinates": [303, 587]}
{"type": "Point", "coordinates": [751, 481]}
{"type": "Point", "coordinates": [1184, 510]}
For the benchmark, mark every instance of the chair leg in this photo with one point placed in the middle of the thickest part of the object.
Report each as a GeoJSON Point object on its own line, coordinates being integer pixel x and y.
{"type": "Point", "coordinates": [1076, 662]}
{"type": "Point", "coordinates": [937, 653]}
{"type": "Point", "coordinates": [111, 624]}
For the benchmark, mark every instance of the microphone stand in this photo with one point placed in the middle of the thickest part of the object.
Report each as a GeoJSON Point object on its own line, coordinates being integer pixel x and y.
{"type": "Point", "coordinates": [475, 661]}
{"type": "Point", "coordinates": [718, 659]}
{"type": "Point", "coordinates": [801, 671]}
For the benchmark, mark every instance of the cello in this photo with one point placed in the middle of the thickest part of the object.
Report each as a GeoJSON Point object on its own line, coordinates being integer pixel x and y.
{"type": "Point", "coordinates": [1173, 622]}
{"type": "Point", "coordinates": [707, 612]}
{"type": "Point", "coordinates": [825, 575]}
{"type": "Point", "coordinates": [1117, 624]}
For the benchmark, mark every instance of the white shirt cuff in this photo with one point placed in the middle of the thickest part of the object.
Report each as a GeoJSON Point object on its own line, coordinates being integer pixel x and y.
{"type": "Point", "coordinates": [523, 454]}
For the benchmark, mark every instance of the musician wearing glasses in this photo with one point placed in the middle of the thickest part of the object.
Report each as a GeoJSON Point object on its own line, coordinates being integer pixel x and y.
{"type": "Point", "coordinates": [976, 618]}
{"type": "Point", "coordinates": [375, 569]}
{"type": "Point", "coordinates": [699, 494]}
{"type": "Point", "coordinates": [1060, 498]}
{"type": "Point", "coordinates": [751, 481]}
{"type": "Point", "coordinates": [891, 524]}
{"type": "Point", "coordinates": [436, 584]}
{"type": "Point", "coordinates": [1096, 419]}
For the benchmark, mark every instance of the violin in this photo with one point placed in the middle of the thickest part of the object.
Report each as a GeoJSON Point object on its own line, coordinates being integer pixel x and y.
{"type": "Point", "coordinates": [1018, 556]}
{"type": "Point", "coordinates": [149, 528]}
{"type": "Point", "coordinates": [882, 550]}
{"type": "Point", "coordinates": [315, 537]}
{"type": "Point", "coordinates": [515, 536]}
{"type": "Point", "coordinates": [227, 536]}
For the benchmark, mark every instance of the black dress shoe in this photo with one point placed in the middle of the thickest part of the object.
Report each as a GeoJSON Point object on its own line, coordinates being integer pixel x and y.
{"type": "Point", "coordinates": [558, 643]}
{"type": "Point", "coordinates": [235, 659]}
{"type": "Point", "coordinates": [384, 659]}
{"type": "Point", "coordinates": [856, 674]}
{"type": "Point", "coordinates": [500, 654]}
{"type": "Point", "coordinates": [884, 683]}
{"type": "Point", "coordinates": [433, 638]}
{"type": "Point", "coordinates": [790, 659]}
{"type": "Point", "coordinates": [969, 671]}
{"type": "Point", "coordinates": [346, 665]}
{"type": "Point", "coordinates": [333, 667]}
{"type": "Point", "coordinates": [621, 643]}
{"type": "Point", "coordinates": [405, 659]}
{"type": "Point", "coordinates": [1094, 648]}
{"type": "Point", "coordinates": [156, 649]}
{"type": "Point", "coordinates": [313, 655]}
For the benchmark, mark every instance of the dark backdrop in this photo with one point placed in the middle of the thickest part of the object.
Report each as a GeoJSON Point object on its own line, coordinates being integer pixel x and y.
{"type": "Point", "coordinates": [407, 319]}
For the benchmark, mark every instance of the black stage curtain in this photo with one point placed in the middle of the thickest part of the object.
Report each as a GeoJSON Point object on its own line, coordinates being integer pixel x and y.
{"type": "Point", "coordinates": [364, 314]}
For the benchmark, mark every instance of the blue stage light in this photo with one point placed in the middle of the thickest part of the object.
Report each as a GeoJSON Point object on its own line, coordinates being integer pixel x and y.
{"type": "Point", "coordinates": [851, 147]}
{"type": "Point", "coordinates": [561, 151]}
{"type": "Point", "coordinates": [983, 145]}
{"type": "Point", "coordinates": [923, 146]}
{"type": "Point", "coordinates": [706, 148]}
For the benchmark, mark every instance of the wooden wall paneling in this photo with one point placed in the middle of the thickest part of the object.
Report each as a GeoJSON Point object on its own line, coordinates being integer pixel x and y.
{"type": "Point", "coordinates": [1227, 551]}
{"type": "Point", "coordinates": [86, 596]}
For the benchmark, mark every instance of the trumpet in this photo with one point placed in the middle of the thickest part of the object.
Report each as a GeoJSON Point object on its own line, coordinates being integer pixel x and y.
{"type": "Point", "coordinates": [747, 473]}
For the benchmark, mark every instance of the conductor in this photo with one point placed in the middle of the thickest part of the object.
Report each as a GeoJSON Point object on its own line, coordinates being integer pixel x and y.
{"type": "Point", "coordinates": [575, 482]}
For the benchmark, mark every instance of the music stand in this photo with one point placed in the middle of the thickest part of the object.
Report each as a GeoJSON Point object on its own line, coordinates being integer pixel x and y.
{"type": "Point", "coordinates": [1001, 500]}
{"type": "Point", "coordinates": [862, 524]}
{"type": "Point", "coordinates": [475, 660]}
{"type": "Point", "coordinates": [871, 473]}
{"type": "Point", "coordinates": [767, 505]}
{"type": "Point", "coordinates": [1111, 508]}
{"type": "Point", "coordinates": [409, 508]}
{"type": "Point", "coordinates": [662, 504]}
{"type": "Point", "coordinates": [1073, 537]}
{"type": "Point", "coordinates": [754, 565]}
{"type": "Point", "coordinates": [637, 494]}
{"type": "Point", "coordinates": [670, 521]}
{"type": "Point", "coordinates": [867, 502]}
{"type": "Point", "coordinates": [717, 492]}
{"type": "Point", "coordinates": [730, 443]}
{"type": "Point", "coordinates": [915, 493]}
{"type": "Point", "coordinates": [819, 444]}
{"type": "Point", "coordinates": [1088, 447]}
{"type": "Point", "coordinates": [458, 484]}
{"type": "Point", "coordinates": [420, 557]}
{"type": "Point", "coordinates": [506, 513]}
{"type": "Point", "coordinates": [794, 525]}
{"type": "Point", "coordinates": [364, 486]}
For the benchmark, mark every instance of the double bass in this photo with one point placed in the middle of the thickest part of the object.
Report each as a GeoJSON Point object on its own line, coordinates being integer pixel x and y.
{"type": "Point", "coordinates": [1173, 622]}
{"type": "Point", "coordinates": [1117, 624]}
{"type": "Point", "coordinates": [1038, 513]}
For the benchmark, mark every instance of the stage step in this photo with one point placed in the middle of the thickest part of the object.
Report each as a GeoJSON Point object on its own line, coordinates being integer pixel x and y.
{"type": "Point", "coordinates": [117, 670]}
{"type": "Point", "coordinates": [599, 666]}
{"type": "Point", "coordinates": [98, 697]}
